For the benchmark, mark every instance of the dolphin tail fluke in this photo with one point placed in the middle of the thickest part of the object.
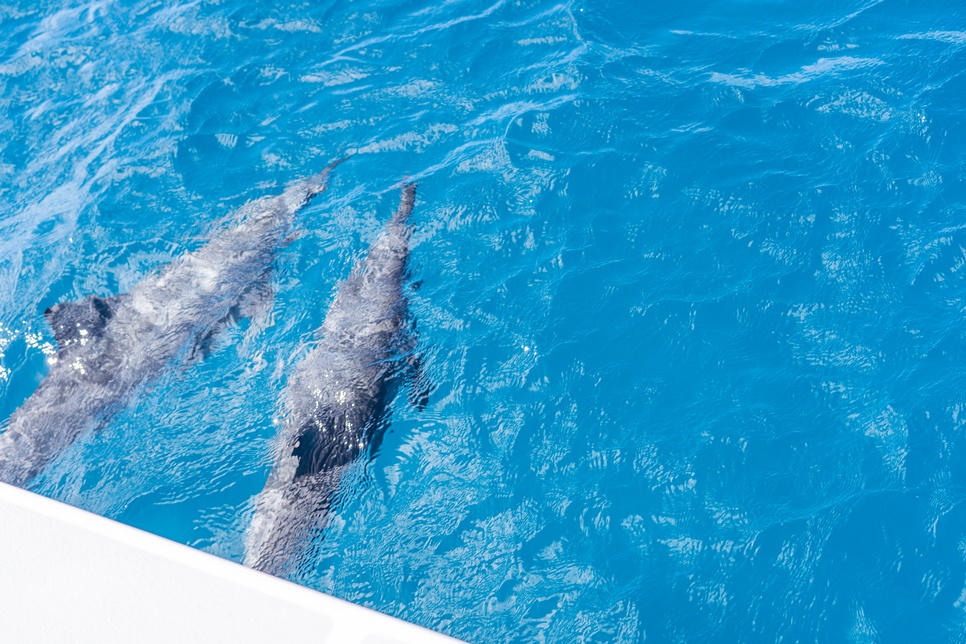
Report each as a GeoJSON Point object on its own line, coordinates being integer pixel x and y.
{"type": "Point", "coordinates": [325, 171]}
{"type": "Point", "coordinates": [301, 192]}
{"type": "Point", "coordinates": [406, 201]}
{"type": "Point", "coordinates": [318, 182]}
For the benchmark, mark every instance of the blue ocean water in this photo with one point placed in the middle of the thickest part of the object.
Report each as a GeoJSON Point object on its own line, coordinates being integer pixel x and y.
{"type": "Point", "coordinates": [692, 296]}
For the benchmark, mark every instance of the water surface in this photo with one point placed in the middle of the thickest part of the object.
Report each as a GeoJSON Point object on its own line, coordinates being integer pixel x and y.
{"type": "Point", "coordinates": [692, 295]}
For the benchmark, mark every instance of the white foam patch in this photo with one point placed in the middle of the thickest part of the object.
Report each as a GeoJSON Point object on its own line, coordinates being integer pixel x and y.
{"type": "Point", "coordinates": [6, 337]}
{"type": "Point", "coordinates": [343, 77]}
{"type": "Point", "coordinates": [951, 37]}
{"type": "Point", "coordinates": [545, 40]}
{"type": "Point", "coordinates": [554, 82]}
{"type": "Point", "coordinates": [304, 26]}
{"type": "Point", "coordinates": [414, 88]}
{"type": "Point", "coordinates": [227, 140]}
{"type": "Point", "coordinates": [822, 67]}
{"type": "Point", "coordinates": [858, 104]}
{"type": "Point", "coordinates": [891, 435]}
{"type": "Point", "coordinates": [409, 140]}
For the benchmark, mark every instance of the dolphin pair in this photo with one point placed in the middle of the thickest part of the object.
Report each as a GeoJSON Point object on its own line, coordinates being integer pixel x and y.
{"type": "Point", "coordinates": [334, 407]}
{"type": "Point", "coordinates": [335, 401]}
{"type": "Point", "coordinates": [111, 347]}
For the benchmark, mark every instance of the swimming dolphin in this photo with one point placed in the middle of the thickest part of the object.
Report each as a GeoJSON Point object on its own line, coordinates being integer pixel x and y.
{"type": "Point", "coordinates": [334, 404]}
{"type": "Point", "coordinates": [110, 347]}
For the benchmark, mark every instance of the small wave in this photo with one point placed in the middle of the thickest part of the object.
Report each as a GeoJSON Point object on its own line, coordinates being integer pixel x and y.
{"type": "Point", "coordinates": [951, 37]}
{"type": "Point", "coordinates": [822, 67]}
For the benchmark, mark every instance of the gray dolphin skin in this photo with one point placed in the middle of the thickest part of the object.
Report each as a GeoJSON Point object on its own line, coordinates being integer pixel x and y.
{"type": "Point", "coordinates": [334, 405]}
{"type": "Point", "coordinates": [111, 347]}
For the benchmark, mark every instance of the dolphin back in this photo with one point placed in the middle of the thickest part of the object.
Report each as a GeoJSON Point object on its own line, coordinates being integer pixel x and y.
{"type": "Point", "coordinates": [336, 398]}
{"type": "Point", "coordinates": [406, 202]}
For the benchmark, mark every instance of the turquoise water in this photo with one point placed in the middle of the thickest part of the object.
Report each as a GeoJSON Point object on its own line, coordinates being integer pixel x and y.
{"type": "Point", "coordinates": [692, 296]}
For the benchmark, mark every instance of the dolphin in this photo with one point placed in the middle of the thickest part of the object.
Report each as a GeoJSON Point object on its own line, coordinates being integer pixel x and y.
{"type": "Point", "coordinates": [111, 347]}
{"type": "Point", "coordinates": [334, 404]}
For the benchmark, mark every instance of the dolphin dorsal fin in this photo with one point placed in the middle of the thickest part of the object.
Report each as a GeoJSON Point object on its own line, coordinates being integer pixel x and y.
{"type": "Point", "coordinates": [77, 322]}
